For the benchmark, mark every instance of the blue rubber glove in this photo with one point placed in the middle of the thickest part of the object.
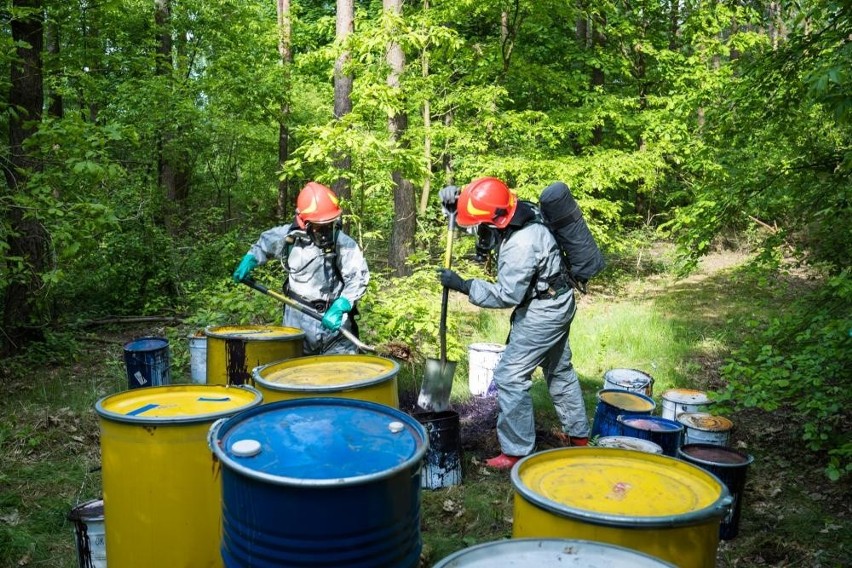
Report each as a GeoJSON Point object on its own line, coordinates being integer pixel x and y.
{"type": "Point", "coordinates": [333, 318]}
{"type": "Point", "coordinates": [247, 264]}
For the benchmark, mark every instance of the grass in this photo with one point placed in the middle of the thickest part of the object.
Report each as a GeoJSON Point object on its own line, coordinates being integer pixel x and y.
{"type": "Point", "coordinates": [677, 331]}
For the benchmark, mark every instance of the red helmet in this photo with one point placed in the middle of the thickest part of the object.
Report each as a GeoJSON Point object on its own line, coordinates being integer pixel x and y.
{"type": "Point", "coordinates": [316, 204]}
{"type": "Point", "coordinates": [486, 200]}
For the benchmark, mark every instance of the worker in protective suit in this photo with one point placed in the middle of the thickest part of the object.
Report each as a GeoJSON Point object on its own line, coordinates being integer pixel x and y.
{"type": "Point", "coordinates": [532, 279]}
{"type": "Point", "coordinates": [325, 269]}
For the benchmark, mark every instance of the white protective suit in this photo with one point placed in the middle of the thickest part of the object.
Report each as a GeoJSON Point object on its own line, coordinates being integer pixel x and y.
{"type": "Point", "coordinates": [317, 279]}
{"type": "Point", "coordinates": [538, 337]}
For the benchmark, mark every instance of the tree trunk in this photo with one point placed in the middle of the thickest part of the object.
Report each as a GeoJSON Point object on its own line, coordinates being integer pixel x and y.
{"type": "Point", "coordinates": [427, 134]}
{"type": "Point", "coordinates": [286, 55]}
{"type": "Point", "coordinates": [598, 42]}
{"type": "Point", "coordinates": [343, 91]}
{"type": "Point", "coordinates": [27, 240]}
{"type": "Point", "coordinates": [404, 225]}
{"type": "Point", "coordinates": [55, 107]}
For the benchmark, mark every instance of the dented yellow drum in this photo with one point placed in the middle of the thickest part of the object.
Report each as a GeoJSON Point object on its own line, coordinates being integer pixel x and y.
{"type": "Point", "coordinates": [234, 351]}
{"type": "Point", "coordinates": [161, 484]}
{"type": "Point", "coordinates": [360, 377]}
{"type": "Point", "coordinates": [655, 504]}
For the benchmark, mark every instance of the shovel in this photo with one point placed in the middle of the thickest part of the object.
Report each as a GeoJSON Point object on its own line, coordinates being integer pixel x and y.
{"type": "Point", "coordinates": [306, 310]}
{"type": "Point", "coordinates": [438, 374]}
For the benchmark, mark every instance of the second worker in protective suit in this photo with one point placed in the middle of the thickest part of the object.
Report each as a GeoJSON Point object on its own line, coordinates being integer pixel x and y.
{"type": "Point", "coordinates": [325, 268]}
{"type": "Point", "coordinates": [532, 279]}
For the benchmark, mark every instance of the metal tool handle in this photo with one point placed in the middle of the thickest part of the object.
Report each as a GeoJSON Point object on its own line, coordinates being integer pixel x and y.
{"type": "Point", "coordinates": [305, 310]}
{"type": "Point", "coordinates": [445, 295]}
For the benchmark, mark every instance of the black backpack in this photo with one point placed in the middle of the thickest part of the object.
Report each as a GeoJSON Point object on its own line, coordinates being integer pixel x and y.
{"type": "Point", "coordinates": [561, 214]}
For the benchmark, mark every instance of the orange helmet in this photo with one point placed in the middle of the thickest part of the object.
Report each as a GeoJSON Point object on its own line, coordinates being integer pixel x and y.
{"type": "Point", "coordinates": [486, 200]}
{"type": "Point", "coordinates": [316, 204]}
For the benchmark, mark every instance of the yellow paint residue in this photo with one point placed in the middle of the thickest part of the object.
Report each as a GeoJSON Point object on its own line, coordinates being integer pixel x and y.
{"type": "Point", "coordinates": [621, 486]}
{"type": "Point", "coordinates": [255, 332]}
{"type": "Point", "coordinates": [327, 371]}
{"type": "Point", "coordinates": [627, 401]}
{"type": "Point", "coordinates": [179, 401]}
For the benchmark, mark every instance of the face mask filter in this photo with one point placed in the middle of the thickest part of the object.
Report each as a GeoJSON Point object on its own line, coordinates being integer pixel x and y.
{"type": "Point", "coordinates": [324, 235]}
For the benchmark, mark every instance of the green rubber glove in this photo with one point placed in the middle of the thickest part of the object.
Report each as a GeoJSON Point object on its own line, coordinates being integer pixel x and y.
{"type": "Point", "coordinates": [333, 318]}
{"type": "Point", "coordinates": [247, 264]}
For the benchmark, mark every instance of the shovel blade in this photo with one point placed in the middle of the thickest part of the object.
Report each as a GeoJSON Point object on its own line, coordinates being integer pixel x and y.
{"type": "Point", "coordinates": [437, 384]}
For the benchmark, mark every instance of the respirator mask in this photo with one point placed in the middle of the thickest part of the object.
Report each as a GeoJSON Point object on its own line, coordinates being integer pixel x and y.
{"type": "Point", "coordinates": [324, 235]}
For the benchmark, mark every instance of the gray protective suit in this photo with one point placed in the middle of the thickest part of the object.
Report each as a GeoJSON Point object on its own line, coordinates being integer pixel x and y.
{"type": "Point", "coordinates": [317, 279]}
{"type": "Point", "coordinates": [538, 337]}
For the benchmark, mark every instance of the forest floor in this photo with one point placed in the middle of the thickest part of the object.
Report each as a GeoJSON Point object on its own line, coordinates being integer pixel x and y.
{"type": "Point", "coordinates": [792, 515]}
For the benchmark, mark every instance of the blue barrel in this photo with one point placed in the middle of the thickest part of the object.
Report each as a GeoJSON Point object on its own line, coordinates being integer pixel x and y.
{"type": "Point", "coordinates": [147, 362]}
{"type": "Point", "coordinates": [614, 402]}
{"type": "Point", "coordinates": [320, 482]}
{"type": "Point", "coordinates": [666, 433]}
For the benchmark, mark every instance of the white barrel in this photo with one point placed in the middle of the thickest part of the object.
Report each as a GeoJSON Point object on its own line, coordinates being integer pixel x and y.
{"type": "Point", "coordinates": [704, 428]}
{"type": "Point", "coordinates": [482, 360]}
{"type": "Point", "coordinates": [89, 534]}
{"type": "Point", "coordinates": [198, 358]}
{"type": "Point", "coordinates": [677, 401]}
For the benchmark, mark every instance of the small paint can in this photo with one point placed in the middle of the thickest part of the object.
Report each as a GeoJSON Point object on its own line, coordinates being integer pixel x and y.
{"type": "Point", "coordinates": [630, 380]}
{"type": "Point", "coordinates": [676, 401]}
{"type": "Point", "coordinates": [629, 443]}
{"type": "Point", "coordinates": [705, 428]}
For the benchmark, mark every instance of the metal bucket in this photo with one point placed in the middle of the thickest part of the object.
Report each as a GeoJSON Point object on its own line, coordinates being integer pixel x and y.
{"type": "Point", "coordinates": [198, 358]}
{"type": "Point", "coordinates": [548, 552]}
{"type": "Point", "coordinates": [233, 351]}
{"type": "Point", "coordinates": [676, 401]}
{"type": "Point", "coordinates": [612, 403]}
{"type": "Point", "coordinates": [147, 362]}
{"type": "Point", "coordinates": [88, 519]}
{"type": "Point", "coordinates": [705, 428]}
{"type": "Point", "coordinates": [668, 434]}
{"type": "Point", "coordinates": [360, 377]}
{"type": "Point", "coordinates": [658, 505]}
{"type": "Point", "coordinates": [731, 467]}
{"type": "Point", "coordinates": [629, 380]}
{"type": "Point", "coordinates": [442, 466]}
{"type": "Point", "coordinates": [629, 443]}
{"type": "Point", "coordinates": [320, 482]}
{"type": "Point", "coordinates": [161, 489]}
{"type": "Point", "coordinates": [482, 360]}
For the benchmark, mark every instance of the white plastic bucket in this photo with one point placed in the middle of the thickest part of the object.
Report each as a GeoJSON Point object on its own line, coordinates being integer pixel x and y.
{"type": "Point", "coordinates": [89, 533]}
{"type": "Point", "coordinates": [482, 360]}
{"type": "Point", "coordinates": [198, 358]}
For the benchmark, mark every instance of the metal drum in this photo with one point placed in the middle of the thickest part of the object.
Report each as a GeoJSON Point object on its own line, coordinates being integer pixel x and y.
{"type": "Point", "coordinates": [320, 482]}
{"type": "Point", "coordinates": [547, 552]}
{"type": "Point", "coordinates": [360, 377]}
{"type": "Point", "coordinates": [704, 428]}
{"type": "Point", "coordinates": [667, 433]}
{"type": "Point", "coordinates": [629, 443]}
{"type": "Point", "coordinates": [676, 401]}
{"type": "Point", "coordinates": [233, 351]}
{"type": "Point", "coordinates": [629, 380]}
{"type": "Point", "coordinates": [614, 402]}
{"type": "Point", "coordinates": [148, 362]}
{"type": "Point", "coordinates": [655, 504]}
{"type": "Point", "coordinates": [161, 491]}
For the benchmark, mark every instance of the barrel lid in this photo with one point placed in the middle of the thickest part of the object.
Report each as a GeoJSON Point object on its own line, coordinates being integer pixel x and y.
{"type": "Point", "coordinates": [254, 332]}
{"type": "Point", "coordinates": [493, 347]}
{"type": "Point", "coordinates": [712, 454]}
{"type": "Point", "coordinates": [539, 552]}
{"type": "Point", "coordinates": [627, 378]}
{"type": "Point", "coordinates": [687, 396]}
{"type": "Point", "coordinates": [626, 400]}
{"type": "Point", "coordinates": [705, 421]}
{"type": "Point", "coordinates": [141, 344]}
{"type": "Point", "coordinates": [649, 423]}
{"type": "Point", "coordinates": [177, 403]}
{"type": "Point", "coordinates": [321, 441]}
{"type": "Point", "coordinates": [629, 443]}
{"type": "Point", "coordinates": [617, 487]}
{"type": "Point", "coordinates": [325, 372]}
{"type": "Point", "coordinates": [89, 511]}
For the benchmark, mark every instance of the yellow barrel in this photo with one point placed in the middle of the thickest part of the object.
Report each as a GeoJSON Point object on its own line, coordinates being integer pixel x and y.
{"type": "Point", "coordinates": [233, 351]}
{"type": "Point", "coordinates": [161, 484]}
{"type": "Point", "coordinates": [360, 377]}
{"type": "Point", "coordinates": [652, 503]}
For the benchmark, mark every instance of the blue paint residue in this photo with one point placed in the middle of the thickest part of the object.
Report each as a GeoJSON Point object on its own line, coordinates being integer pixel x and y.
{"type": "Point", "coordinates": [213, 399]}
{"type": "Point", "coordinates": [142, 409]}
